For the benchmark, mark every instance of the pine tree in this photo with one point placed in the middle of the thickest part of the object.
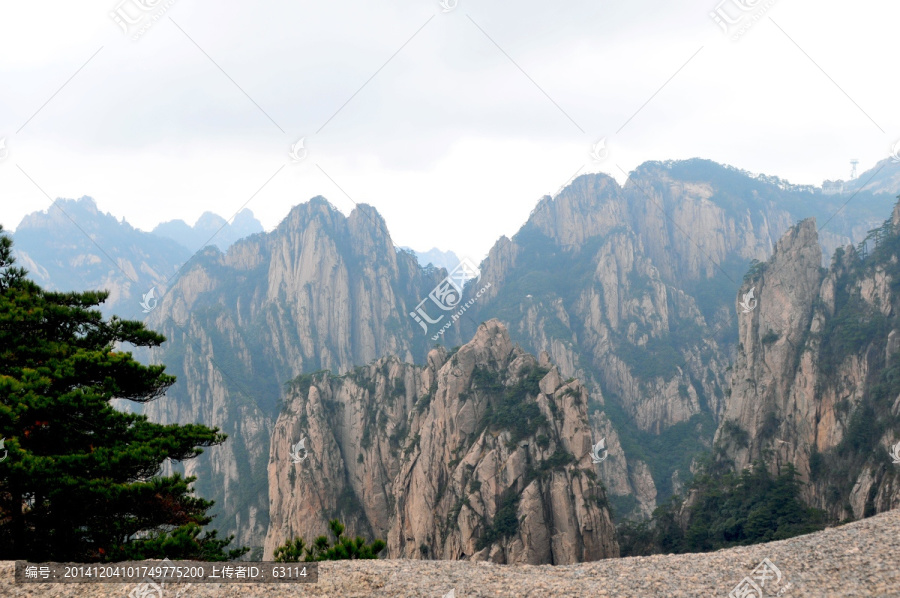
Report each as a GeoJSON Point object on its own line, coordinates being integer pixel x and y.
{"type": "Point", "coordinates": [320, 550]}
{"type": "Point", "coordinates": [80, 480]}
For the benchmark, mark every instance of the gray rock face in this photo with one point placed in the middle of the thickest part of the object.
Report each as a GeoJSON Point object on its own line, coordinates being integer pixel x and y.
{"type": "Point", "coordinates": [626, 303]}
{"type": "Point", "coordinates": [630, 288]}
{"type": "Point", "coordinates": [482, 454]}
{"type": "Point", "coordinates": [320, 291]}
{"type": "Point", "coordinates": [764, 373]}
{"type": "Point", "coordinates": [622, 287]}
{"type": "Point", "coordinates": [815, 380]}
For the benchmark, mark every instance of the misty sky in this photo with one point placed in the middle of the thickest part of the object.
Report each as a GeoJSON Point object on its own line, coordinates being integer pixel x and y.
{"type": "Point", "coordinates": [452, 124]}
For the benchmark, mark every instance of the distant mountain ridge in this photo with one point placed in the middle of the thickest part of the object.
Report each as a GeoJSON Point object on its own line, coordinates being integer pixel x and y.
{"type": "Point", "coordinates": [883, 178]}
{"type": "Point", "coordinates": [210, 228]}
{"type": "Point", "coordinates": [627, 288]}
{"type": "Point", "coordinates": [74, 246]}
{"type": "Point", "coordinates": [624, 288]}
{"type": "Point", "coordinates": [434, 256]}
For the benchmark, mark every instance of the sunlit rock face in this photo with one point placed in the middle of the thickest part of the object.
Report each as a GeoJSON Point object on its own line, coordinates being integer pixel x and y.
{"type": "Point", "coordinates": [483, 454]}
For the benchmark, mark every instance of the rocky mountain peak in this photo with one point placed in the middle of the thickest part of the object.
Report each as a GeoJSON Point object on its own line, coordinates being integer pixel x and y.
{"type": "Point", "coordinates": [812, 383]}
{"type": "Point", "coordinates": [481, 454]}
{"type": "Point", "coordinates": [316, 210]}
{"type": "Point", "coordinates": [491, 344]}
{"type": "Point", "coordinates": [774, 307]}
{"type": "Point", "coordinates": [364, 228]}
{"type": "Point", "coordinates": [83, 209]}
{"type": "Point", "coordinates": [320, 291]}
{"type": "Point", "coordinates": [583, 209]}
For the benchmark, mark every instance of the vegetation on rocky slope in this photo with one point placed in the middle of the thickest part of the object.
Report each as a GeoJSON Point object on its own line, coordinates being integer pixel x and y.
{"type": "Point", "coordinates": [725, 509]}
{"type": "Point", "coordinates": [859, 329]}
{"type": "Point", "coordinates": [320, 550]}
{"type": "Point", "coordinates": [512, 409]}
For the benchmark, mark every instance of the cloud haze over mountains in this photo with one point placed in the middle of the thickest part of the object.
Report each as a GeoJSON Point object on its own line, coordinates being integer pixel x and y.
{"type": "Point", "coordinates": [525, 283]}
{"type": "Point", "coordinates": [473, 115]}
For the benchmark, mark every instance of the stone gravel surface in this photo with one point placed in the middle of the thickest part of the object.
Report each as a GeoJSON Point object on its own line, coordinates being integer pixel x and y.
{"type": "Point", "coordinates": [858, 559]}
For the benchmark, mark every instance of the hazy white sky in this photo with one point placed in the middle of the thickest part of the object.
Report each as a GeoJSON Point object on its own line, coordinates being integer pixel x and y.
{"type": "Point", "coordinates": [452, 124]}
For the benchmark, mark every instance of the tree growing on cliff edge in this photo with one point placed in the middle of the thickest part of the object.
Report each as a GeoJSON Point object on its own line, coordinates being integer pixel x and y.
{"type": "Point", "coordinates": [79, 480]}
{"type": "Point", "coordinates": [343, 549]}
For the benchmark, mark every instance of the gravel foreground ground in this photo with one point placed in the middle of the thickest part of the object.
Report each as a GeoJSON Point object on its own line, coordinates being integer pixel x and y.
{"type": "Point", "coordinates": [858, 559]}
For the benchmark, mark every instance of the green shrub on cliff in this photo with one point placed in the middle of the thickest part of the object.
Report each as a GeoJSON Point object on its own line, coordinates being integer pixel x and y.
{"type": "Point", "coordinates": [727, 510]}
{"type": "Point", "coordinates": [320, 550]}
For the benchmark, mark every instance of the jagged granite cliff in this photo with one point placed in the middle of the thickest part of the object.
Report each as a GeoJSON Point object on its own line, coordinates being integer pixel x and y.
{"type": "Point", "coordinates": [320, 291]}
{"type": "Point", "coordinates": [630, 288]}
{"type": "Point", "coordinates": [816, 382]}
{"type": "Point", "coordinates": [483, 454]}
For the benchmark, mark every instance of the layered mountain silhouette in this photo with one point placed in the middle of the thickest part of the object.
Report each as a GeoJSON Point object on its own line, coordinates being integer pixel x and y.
{"type": "Point", "coordinates": [435, 257]}
{"type": "Point", "coordinates": [74, 246]}
{"type": "Point", "coordinates": [210, 229]}
{"type": "Point", "coordinates": [627, 292]}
